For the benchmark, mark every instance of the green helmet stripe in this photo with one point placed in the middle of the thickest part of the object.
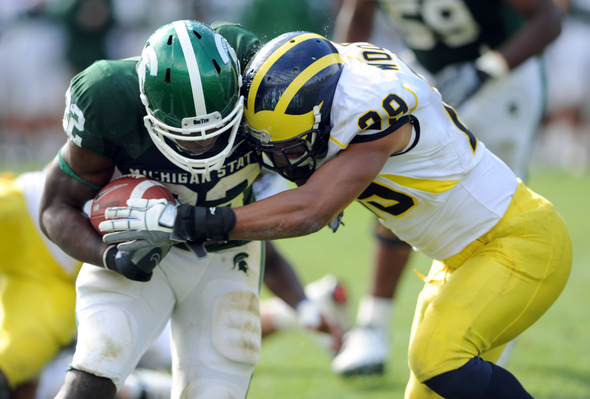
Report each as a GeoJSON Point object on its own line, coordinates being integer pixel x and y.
{"type": "Point", "coordinates": [192, 66]}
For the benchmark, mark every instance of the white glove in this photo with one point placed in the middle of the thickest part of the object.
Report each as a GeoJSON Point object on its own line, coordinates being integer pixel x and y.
{"type": "Point", "coordinates": [309, 314]}
{"type": "Point", "coordinates": [457, 82]}
{"type": "Point", "coordinates": [142, 223]}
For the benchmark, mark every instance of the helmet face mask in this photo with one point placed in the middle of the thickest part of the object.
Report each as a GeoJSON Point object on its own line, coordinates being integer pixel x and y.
{"type": "Point", "coordinates": [293, 158]}
{"type": "Point", "coordinates": [288, 89]}
{"type": "Point", "coordinates": [189, 80]}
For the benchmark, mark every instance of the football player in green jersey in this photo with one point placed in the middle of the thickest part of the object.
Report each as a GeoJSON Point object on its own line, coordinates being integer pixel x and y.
{"type": "Point", "coordinates": [483, 56]}
{"type": "Point", "coordinates": [45, 291]}
{"type": "Point", "coordinates": [173, 114]}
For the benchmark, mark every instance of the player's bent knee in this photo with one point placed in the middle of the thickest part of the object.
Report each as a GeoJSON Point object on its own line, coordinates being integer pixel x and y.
{"type": "Point", "coordinates": [421, 360]}
{"type": "Point", "coordinates": [111, 334]}
{"type": "Point", "coordinates": [236, 327]}
{"type": "Point", "coordinates": [468, 381]}
{"type": "Point", "coordinates": [427, 359]}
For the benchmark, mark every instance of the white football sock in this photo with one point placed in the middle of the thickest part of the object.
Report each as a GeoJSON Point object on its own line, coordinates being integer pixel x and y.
{"type": "Point", "coordinates": [375, 312]}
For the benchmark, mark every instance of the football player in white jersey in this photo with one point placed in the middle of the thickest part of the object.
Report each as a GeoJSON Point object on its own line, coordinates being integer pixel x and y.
{"type": "Point", "coordinates": [354, 122]}
{"type": "Point", "coordinates": [499, 95]}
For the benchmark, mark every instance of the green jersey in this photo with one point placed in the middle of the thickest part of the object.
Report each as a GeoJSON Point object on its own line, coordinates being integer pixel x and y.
{"type": "Point", "coordinates": [445, 32]}
{"type": "Point", "coordinates": [104, 114]}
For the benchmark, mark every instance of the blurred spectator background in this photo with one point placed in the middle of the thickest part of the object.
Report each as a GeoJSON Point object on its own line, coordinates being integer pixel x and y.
{"type": "Point", "coordinates": [44, 43]}
{"type": "Point", "coordinates": [564, 138]}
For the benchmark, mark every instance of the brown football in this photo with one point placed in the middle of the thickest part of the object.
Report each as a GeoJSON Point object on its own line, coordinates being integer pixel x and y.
{"type": "Point", "coordinates": [118, 191]}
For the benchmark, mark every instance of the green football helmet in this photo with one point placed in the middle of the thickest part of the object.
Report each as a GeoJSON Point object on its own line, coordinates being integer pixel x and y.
{"type": "Point", "coordinates": [289, 87]}
{"type": "Point", "coordinates": [189, 79]}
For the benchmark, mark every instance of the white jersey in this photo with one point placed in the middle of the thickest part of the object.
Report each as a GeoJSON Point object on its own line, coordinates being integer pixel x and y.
{"type": "Point", "coordinates": [31, 185]}
{"type": "Point", "coordinates": [445, 189]}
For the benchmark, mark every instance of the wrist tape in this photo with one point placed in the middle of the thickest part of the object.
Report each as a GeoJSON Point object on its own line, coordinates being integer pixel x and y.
{"type": "Point", "coordinates": [196, 223]}
{"type": "Point", "coordinates": [493, 64]}
{"type": "Point", "coordinates": [108, 258]}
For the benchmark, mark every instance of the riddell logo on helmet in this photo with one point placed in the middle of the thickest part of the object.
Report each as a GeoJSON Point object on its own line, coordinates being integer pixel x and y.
{"type": "Point", "coordinates": [200, 121]}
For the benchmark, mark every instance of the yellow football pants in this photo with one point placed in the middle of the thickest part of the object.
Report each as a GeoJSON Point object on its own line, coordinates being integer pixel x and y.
{"type": "Point", "coordinates": [475, 302]}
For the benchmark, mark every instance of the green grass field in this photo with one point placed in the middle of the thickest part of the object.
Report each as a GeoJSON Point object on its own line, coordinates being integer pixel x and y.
{"type": "Point", "coordinates": [550, 359]}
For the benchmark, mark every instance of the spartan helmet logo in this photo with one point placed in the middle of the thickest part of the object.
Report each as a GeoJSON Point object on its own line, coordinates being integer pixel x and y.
{"type": "Point", "coordinates": [240, 262]}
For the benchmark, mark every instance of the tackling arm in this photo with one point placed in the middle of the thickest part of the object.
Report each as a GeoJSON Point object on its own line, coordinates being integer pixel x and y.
{"type": "Point", "coordinates": [62, 218]}
{"type": "Point", "coordinates": [329, 190]}
{"type": "Point", "coordinates": [292, 213]}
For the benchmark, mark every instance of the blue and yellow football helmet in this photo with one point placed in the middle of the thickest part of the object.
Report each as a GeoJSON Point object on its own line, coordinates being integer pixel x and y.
{"type": "Point", "coordinates": [288, 90]}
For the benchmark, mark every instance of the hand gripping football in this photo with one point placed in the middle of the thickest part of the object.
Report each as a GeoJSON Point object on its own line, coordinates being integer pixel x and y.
{"type": "Point", "coordinates": [118, 191]}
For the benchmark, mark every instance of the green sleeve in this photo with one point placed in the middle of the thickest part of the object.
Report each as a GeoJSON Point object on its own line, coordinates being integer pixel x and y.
{"type": "Point", "coordinates": [103, 112]}
{"type": "Point", "coordinates": [242, 40]}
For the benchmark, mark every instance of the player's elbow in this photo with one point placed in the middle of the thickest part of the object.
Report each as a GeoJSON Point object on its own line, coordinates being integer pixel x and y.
{"type": "Point", "coordinates": [554, 27]}
{"type": "Point", "coordinates": [44, 221]}
{"type": "Point", "coordinates": [552, 21]}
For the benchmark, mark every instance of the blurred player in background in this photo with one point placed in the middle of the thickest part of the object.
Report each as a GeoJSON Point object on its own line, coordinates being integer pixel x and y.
{"type": "Point", "coordinates": [484, 58]}
{"type": "Point", "coordinates": [327, 293]}
{"type": "Point", "coordinates": [37, 290]}
{"type": "Point", "coordinates": [564, 140]}
{"type": "Point", "coordinates": [37, 295]}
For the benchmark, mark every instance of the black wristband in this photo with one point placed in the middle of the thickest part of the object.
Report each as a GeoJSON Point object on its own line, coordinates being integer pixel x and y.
{"type": "Point", "coordinates": [108, 258]}
{"type": "Point", "coordinates": [123, 263]}
{"type": "Point", "coordinates": [196, 223]}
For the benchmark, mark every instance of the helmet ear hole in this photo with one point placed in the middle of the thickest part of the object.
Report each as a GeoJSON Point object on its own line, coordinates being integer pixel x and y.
{"type": "Point", "coordinates": [216, 65]}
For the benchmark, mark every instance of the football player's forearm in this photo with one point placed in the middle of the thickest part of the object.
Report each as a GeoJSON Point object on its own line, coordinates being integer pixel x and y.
{"type": "Point", "coordinates": [280, 216]}
{"type": "Point", "coordinates": [63, 220]}
{"type": "Point", "coordinates": [307, 209]}
{"type": "Point", "coordinates": [70, 230]}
